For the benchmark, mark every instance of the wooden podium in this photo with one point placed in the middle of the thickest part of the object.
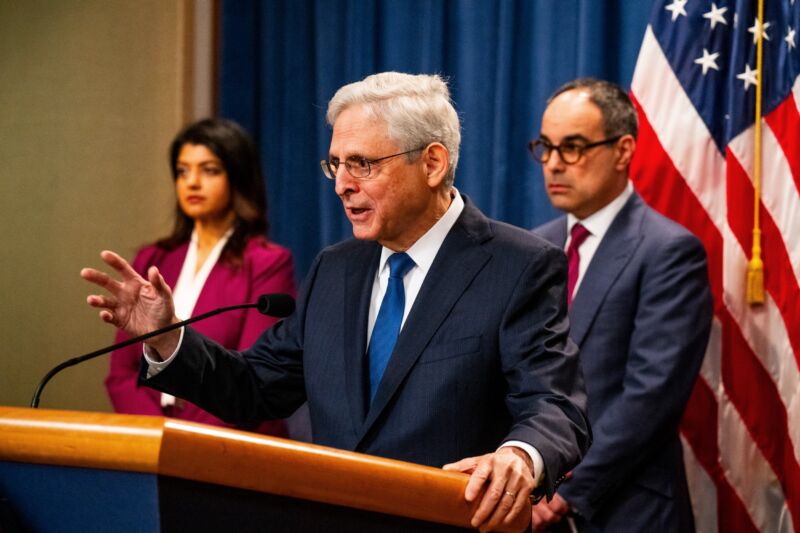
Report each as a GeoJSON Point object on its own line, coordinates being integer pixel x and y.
{"type": "Point", "coordinates": [83, 471]}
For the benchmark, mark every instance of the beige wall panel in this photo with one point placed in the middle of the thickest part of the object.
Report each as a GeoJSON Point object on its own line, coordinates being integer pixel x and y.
{"type": "Point", "coordinates": [91, 92]}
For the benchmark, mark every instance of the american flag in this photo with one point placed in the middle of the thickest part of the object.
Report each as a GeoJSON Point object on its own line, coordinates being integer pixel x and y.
{"type": "Point", "coordinates": [695, 89]}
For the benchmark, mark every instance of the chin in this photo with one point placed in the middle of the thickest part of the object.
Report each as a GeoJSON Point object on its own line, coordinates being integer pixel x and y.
{"type": "Point", "coordinates": [364, 234]}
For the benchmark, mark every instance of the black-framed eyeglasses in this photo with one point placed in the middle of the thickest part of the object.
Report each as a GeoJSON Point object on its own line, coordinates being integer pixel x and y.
{"type": "Point", "coordinates": [359, 167]}
{"type": "Point", "coordinates": [570, 152]}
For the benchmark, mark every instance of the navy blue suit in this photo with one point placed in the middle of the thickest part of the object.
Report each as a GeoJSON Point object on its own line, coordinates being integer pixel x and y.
{"type": "Point", "coordinates": [641, 317]}
{"type": "Point", "coordinates": [483, 357]}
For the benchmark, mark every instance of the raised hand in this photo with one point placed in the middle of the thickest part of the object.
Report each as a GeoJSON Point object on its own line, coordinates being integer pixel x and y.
{"type": "Point", "coordinates": [134, 304]}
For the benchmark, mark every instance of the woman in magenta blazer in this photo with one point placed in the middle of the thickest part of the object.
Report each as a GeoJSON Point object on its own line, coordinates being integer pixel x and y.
{"type": "Point", "coordinates": [217, 255]}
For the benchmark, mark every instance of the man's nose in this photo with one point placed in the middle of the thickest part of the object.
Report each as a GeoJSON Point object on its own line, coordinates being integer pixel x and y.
{"type": "Point", "coordinates": [345, 183]}
{"type": "Point", "coordinates": [554, 162]}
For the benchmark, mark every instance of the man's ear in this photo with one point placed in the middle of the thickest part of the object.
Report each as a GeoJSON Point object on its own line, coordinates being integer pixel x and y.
{"type": "Point", "coordinates": [626, 146]}
{"type": "Point", "coordinates": [436, 159]}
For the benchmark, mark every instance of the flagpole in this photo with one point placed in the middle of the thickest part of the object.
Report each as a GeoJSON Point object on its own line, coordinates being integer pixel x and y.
{"type": "Point", "coordinates": [755, 268]}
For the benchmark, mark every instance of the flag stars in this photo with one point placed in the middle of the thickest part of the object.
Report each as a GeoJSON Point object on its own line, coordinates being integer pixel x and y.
{"type": "Point", "coordinates": [678, 8]}
{"type": "Point", "coordinates": [708, 61]}
{"type": "Point", "coordinates": [749, 77]}
{"type": "Point", "coordinates": [754, 30]}
{"type": "Point", "coordinates": [790, 38]}
{"type": "Point", "coordinates": [716, 15]}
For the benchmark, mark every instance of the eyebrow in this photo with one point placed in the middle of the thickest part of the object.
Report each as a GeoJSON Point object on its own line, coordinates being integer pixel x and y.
{"type": "Point", "coordinates": [200, 163]}
{"type": "Point", "coordinates": [568, 138]}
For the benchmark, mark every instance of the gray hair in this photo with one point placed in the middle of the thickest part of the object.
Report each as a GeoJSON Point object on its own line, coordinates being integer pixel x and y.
{"type": "Point", "coordinates": [416, 109]}
{"type": "Point", "coordinates": [619, 115]}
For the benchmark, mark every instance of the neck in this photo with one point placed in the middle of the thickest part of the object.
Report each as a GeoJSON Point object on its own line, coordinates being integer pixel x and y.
{"type": "Point", "coordinates": [438, 206]}
{"type": "Point", "coordinates": [209, 232]}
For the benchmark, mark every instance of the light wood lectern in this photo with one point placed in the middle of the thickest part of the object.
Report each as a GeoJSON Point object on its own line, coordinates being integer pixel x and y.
{"type": "Point", "coordinates": [82, 471]}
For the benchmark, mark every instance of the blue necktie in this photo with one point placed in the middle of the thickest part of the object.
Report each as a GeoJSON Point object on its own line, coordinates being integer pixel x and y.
{"type": "Point", "coordinates": [387, 325]}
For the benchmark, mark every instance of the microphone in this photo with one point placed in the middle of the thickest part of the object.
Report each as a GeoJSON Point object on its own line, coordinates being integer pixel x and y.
{"type": "Point", "coordinates": [277, 305]}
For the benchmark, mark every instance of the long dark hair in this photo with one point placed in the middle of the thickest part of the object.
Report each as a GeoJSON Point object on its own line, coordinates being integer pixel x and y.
{"type": "Point", "coordinates": [233, 146]}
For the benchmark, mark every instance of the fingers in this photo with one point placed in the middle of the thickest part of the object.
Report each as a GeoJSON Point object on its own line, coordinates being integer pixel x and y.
{"type": "Point", "coordinates": [157, 281]}
{"type": "Point", "coordinates": [544, 514]}
{"type": "Point", "coordinates": [542, 517]}
{"type": "Point", "coordinates": [98, 300]}
{"type": "Point", "coordinates": [509, 484]}
{"type": "Point", "coordinates": [480, 474]}
{"type": "Point", "coordinates": [100, 278]}
{"type": "Point", "coordinates": [503, 512]}
{"type": "Point", "coordinates": [467, 465]}
{"type": "Point", "coordinates": [116, 262]}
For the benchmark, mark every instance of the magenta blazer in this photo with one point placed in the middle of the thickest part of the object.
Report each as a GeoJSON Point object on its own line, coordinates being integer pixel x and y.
{"type": "Point", "coordinates": [265, 268]}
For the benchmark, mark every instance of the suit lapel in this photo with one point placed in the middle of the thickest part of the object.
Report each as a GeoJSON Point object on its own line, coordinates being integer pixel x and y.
{"type": "Point", "coordinates": [457, 263]}
{"type": "Point", "coordinates": [359, 277]}
{"type": "Point", "coordinates": [608, 262]}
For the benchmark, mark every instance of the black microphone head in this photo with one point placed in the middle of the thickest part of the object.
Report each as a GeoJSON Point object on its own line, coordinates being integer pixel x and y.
{"type": "Point", "coordinates": [277, 305]}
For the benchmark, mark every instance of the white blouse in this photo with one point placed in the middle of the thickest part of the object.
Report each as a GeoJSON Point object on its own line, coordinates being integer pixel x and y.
{"type": "Point", "coordinates": [189, 286]}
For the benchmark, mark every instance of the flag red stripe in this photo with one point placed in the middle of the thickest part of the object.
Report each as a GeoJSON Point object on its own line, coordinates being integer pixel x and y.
{"type": "Point", "coordinates": [784, 121]}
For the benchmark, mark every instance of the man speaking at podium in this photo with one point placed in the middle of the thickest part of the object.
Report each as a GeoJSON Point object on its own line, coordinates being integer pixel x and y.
{"type": "Point", "coordinates": [436, 335]}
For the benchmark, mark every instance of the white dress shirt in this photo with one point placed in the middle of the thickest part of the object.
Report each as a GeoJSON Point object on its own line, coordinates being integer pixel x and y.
{"type": "Point", "coordinates": [597, 223]}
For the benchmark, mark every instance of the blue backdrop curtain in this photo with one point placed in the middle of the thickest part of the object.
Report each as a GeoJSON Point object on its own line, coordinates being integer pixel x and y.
{"type": "Point", "coordinates": [282, 60]}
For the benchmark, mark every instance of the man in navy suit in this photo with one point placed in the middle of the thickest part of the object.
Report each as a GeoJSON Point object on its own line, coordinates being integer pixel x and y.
{"type": "Point", "coordinates": [640, 311]}
{"type": "Point", "coordinates": [437, 335]}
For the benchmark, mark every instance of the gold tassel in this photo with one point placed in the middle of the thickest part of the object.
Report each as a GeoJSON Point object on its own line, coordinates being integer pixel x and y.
{"type": "Point", "coordinates": [755, 273]}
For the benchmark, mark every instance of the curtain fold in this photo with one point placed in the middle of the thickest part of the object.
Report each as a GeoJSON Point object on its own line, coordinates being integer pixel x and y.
{"type": "Point", "coordinates": [282, 60]}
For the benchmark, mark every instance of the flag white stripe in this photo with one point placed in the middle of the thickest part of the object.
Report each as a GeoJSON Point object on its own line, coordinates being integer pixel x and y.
{"type": "Point", "coordinates": [702, 492]}
{"type": "Point", "coordinates": [750, 473]}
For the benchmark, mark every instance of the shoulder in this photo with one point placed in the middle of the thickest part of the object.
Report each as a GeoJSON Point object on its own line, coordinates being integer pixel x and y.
{"type": "Point", "coordinates": [261, 248]}
{"type": "Point", "coordinates": [149, 255]}
{"type": "Point", "coordinates": [349, 246]}
{"type": "Point", "coordinates": [552, 230]}
{"type": "Point", "coordinates": [266, 254]}
{"type": "Point", "coordinates": [491, 234]}
{"type": "Point", "coordinates": [660, 232]}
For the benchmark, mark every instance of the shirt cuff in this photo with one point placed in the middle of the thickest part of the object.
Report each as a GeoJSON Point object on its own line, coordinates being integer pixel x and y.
{"type": "Point", "coordinates": [533, 453]}
{"type": "Point", "coordinates": [154, 366]}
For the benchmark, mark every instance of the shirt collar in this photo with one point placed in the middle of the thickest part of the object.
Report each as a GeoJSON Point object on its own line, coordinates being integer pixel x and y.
{"type": "Point", "coordinates": [424, 251]}
{"type": "Point", "coordinates": [598, 222]}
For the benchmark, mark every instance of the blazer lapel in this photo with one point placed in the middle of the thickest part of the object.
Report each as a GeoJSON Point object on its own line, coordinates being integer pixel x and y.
{"type": "Point", "coordinates": [457, 263]}
{"type": "Point", "coordinates": [608, 262]}
{"type": "Point", "coordinates": [359, 277]}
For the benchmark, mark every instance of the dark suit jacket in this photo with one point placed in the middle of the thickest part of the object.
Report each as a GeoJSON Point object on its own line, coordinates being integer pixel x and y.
{"type": "Point", "coordinates": [641, 317]}
{"type": "Point", "coordinates": [265, 268]}
{"type": "Point", "coordinates": [483, 356]}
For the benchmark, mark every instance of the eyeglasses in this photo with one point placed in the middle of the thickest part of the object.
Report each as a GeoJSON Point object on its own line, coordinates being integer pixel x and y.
{"type": "Point", "coordinates": [570, 152]}
{"type": "Point", "coordinates": [358, 167]}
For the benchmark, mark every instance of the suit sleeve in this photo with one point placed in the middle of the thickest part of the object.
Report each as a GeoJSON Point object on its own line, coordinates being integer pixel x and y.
{"type": "Point", "coordinates": [671, 327]}
{"type": "Point", "coordinates": [546, 396]}
{"type": "Point", "coordinates": [261, 383]}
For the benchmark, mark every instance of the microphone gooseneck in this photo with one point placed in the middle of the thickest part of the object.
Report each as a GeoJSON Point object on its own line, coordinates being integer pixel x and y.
{"type": "Point", "coordinates": [277, 305]}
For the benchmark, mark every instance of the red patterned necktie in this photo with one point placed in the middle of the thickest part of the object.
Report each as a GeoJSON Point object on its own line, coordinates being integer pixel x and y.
{"type": "Point", "coordinates": [578, 234]}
